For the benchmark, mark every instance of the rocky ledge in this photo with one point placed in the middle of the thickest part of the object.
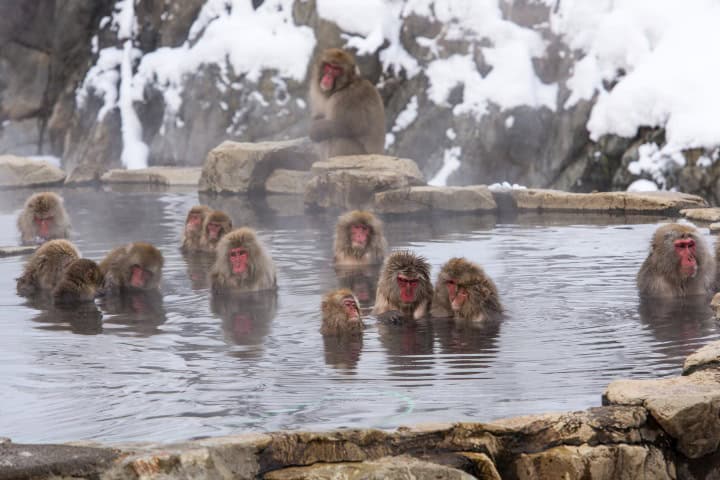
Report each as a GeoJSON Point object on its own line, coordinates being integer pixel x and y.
{"type": "Point", "coordinates": [170, 176]}
{"type": "Point", "coordinates": [663, 429]}
{"type": "Point", "coordinates": [19, 172]}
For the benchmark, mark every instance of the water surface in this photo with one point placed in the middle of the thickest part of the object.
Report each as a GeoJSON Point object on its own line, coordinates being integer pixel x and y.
{"type": "Point", "coordinates": [182, 366]}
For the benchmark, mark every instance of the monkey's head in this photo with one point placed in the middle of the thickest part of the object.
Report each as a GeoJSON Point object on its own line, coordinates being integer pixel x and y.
{"type": "Point", "coordinates": [681, 250]}
{"type": "Point", "coordinates": [335, 70]}
{"type": "Point", "coordinates": [195, 219]}
{"type": "Point", "coordinates": [144, 266]}
{"type": "Point", "coordinates": [356, 231]}
{"type": "Point", "coordinates": [81, 281]}
{"type": "Point", "coordinates": [47, 213]}
{"type": "Point", "coordinates": [341, 312]}
{"type": "Point", "coordinates": [216, 225]}
{"type": "Point", "coordinates": [241, 252]}
{"type": "Point", "coordinates": [465, 287]}
{"type": "Point", "coordinates": [407, 275]}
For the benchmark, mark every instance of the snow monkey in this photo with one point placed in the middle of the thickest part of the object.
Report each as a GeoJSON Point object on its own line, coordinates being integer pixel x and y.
{"type": "Point", "coordinates": [241, 264]}
{"type": "Point", "coordinates": [194, 228]}
{"type": "Point", "coordinates": [217, 224]}
{"type": "Point", "coordinates": [465, 292]}
{"type": "Point", "coordinates": [678, 265]}
{"type": "Point", "coordinates": [404, 289]}
{"type": "Point", "coordinates": [348, 117]}
{"type": "Point", "coordinates": [359, 239]}
{"type": "Point", "coordinates": [341, 313]}
{"type": "Point", "coordinates": [45, 266]}
{"type": "Point", "coordinates": [135, 266]}
{"type": "Point", "coordinates": [43, 218]}
{"type": "Point", "coordinates": [81, 280]}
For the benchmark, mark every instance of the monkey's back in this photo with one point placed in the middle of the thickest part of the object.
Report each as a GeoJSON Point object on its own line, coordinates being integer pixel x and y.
{"type": "Point", "coordinates": [44, 268]}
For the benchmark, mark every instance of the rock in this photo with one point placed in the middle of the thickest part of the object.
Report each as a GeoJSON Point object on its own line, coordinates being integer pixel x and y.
{"type": "Point", "coordinates": [707, 355]}
{"type": "Point", "coordinates": [714, 227]}
{"type": "Point", "coordinates": [555, 200]}
{"type": "Point", "coordinates": [154, 176]}
{"type": "Point", "coordinates": [10, 251]}
{"type": "Point", "coordinates": [584, 462]}
{"type": "Point", "coordinates": [476, 198]}
{"type": "Point", "coordinates": [287, 181]}
{"type": "Point", "coordinates": [16, 172]}
{"type": "Point", "coordinates": [52, 461]}
{"type": "Point", "coordinates": [687, 408]}
{"type": "Point", "coordinates": [21, 137]}
{"type": "Point", "coordinates": [351, 181]}
{"type": "Point", "coordinates": [245, 167]}
{"type": "Point", "coordinates": [702, 214]}
{"type": "Point", "coordinates": [85, 174]}
{"type": "Point", "coordinates": [400, 468]}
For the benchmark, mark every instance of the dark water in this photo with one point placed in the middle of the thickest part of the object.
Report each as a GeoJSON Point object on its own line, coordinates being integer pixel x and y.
{"type": "Point", "coordinates": [179, 366]}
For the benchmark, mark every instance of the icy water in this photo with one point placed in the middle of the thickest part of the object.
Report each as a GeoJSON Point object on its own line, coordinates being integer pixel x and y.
{"type": "Point", "coordinates": [181, 366]}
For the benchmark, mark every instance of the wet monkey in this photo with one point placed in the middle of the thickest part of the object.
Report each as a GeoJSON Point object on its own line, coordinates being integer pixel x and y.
{"type": "Point", "coordinates": [45, 266]}
{"type": "Point", "coordinates": [359, 239]}
{"type": "Point", "coordinates": [679, 264]}
{"type": "Point", "coordinates": [404, 289]}
{"type": "Point", "coordinates": [135, 266]}
{"type": "Point", "coordinates": [340, 313]}
{"type": "Point", "coordinates": [242, 264]}
{"type": "Point", "coordinates": [43, 218]}
{"type": "Point", "coordinates": [348, 117]}
{"type": "Point", "coordinates": [194, 228]}
{"type": "Point", "coordinates": [81, 281]}
{"type": "Point", "coordinates": [465, 292]}
{"type": "Point", "coordinates": [217, 224]}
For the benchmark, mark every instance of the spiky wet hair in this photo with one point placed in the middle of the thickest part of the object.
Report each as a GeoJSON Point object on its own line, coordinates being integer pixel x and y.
{"type": "Point", "coordinates": [334, 316]}
{"type": "Point", "coordinates": [409, 264]}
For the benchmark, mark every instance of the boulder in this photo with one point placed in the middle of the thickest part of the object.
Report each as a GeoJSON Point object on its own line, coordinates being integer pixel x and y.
{"type": "Point", "coordinates": [85, 173]}
{"type": "Point", "coordinates": [234, 167]}
{"type": "Point", "coordinates": [475, 198]}
{"type": "Point", "coordinates": [636, 202]}
{"type": "Point", "coordinates": [287, 181]}
{"type": "Point", "coordinates": [714, 228]}
{"type": "Point", "coordinates": [702, 214]}
{"type": "Point", "coordinates": [709, 355]}
{"type": "Point", "coordinates": [351, 181]}
{"type": "Point", "coordinates": [154, 176]}
{"type": "Point", "coordinates": [17, 172]}
{"type": "Point", "coordinates": [52, 461]}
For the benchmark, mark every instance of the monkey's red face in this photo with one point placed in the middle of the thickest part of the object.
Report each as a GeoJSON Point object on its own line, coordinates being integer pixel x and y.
{"type": "Point", "coordinates": [330, 73]}
{"type": "Point", "coordinates": [685, 249]}
{"type": "Point", "coordinates": [359, 235]}
{"type": "Point", "coordinates": [351, 308]}
{"type": "Point", "coordinates": [407, 286]}
{"type": "Point", "coordinates": [194, 222]}
{"type": "Point", "coordinates": [213, 230]}
{"type": "Point", "coordinates": [457, 294]}
{"type": "Point", "coordinates": [43, 225]}
{"type": "Point", "coordinates": [139, 277]}
{"type": "Point", "coordinates": [239, 260]}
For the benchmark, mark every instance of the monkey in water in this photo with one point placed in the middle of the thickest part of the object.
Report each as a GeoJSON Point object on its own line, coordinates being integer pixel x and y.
{"type": "Point", "coordinates": [679, 264]}
{"type": "Point", "coordinates": [348, 117]}
{"type": "Point", "coordinates": [216, 225]}
{"type": "Point", "coordinates": [359, 239]}
{"type": "Point", "coordinates": [242, 264]}
{"type": "Point", "coordinates": [45, 266]}
{"type": "Point", "coordinates": [404, 289]}
{"type": "Point", "coordinates": [465, 292]}
{"type": "Point", "coordinates": [341, 313]}
{"type": "Point", "coordinates": [43, 218]}
{"type": "Point", "coordinates": [135, 266]}
{"type": "Point", "coordinates": [81, 281]}
{"type": "Point", "coordinates": [194, 228]}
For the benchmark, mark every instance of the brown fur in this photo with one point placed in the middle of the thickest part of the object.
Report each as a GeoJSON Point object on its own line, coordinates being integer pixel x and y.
{"type": "Point", "coordinates": [482, 302]}
{"type": "Point", "coordinates": [43, 205]}
{"type": "Point", "coordinates": [44, 268]}
{"type": "Point", "coordinates": [335, 320]}
{"type": "Point", "coordinates": [387, 298]}
{"type": "Point", "coordinates": [349, 119]}
{"type": "Point", "coordinates": [660, 276]}
{"type": "Point", "coordinates": [117, 266]}
{"type": "Point", "coordinates": [80, 282]}
{"type": "Point", "coordinates": [216, 216]}
{"type": "Point", "coordinates": [374, 251]}
{"type": "Point", "coordinates": [260, 274]}
{"type": "Point", "coordinates": [191, 238]}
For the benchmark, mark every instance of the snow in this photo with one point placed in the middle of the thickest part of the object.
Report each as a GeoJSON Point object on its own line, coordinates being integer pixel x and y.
{"type": "Point", "coordinates": [500, 186]}
{"type": "Point", "coordinates": [656, 162]}
{"type": "Point", "coordinates": [643, 185]}
{"type": "Point", "coordinates": [451, 162]}
{"type": "Point", "coordinates": [407, 116]}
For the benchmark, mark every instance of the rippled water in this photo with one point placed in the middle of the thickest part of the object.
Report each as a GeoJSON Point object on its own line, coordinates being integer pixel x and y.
{"type": "Point", "coordinates": [180, 367]}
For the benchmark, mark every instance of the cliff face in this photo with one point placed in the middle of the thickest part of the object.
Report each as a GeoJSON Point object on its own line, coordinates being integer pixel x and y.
{"type": "Point", "coordinates": [481, 90]}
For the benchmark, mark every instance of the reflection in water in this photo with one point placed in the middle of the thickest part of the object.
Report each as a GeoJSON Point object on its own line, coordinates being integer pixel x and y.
{"type": "Point", "coordinates": [362, 281]}
{"type": "Point", "coordinates": [468, 345]}
{"type": "Point", "coordinates": [342, 352]}
{"type": "Point", "coordinates": [246, 317]}
{"type": "Point", "coordinates": [406, 340]}
{"type": "Point", "coordinates": [141, 311]}
{"type": "Point", "coordinates": [83, 318]}
{"type": "Point", "coordinates": [198, 269]}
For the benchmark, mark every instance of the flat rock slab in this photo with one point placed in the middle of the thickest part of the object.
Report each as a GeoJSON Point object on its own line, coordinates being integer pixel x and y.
{"type": "Point", "coordinates": [709, 355]}
{"type": "Point", "coordinates": [636, 202]}
{"type": "Point", "coordinates": [476, 198]}
{"type": "Point", "coordinates": [351, 181]}
{"type": "Point", "coordinates": [715, 228]}
{"type": "Point", "coordinates": [235, 167]}
{"type": "Point", "coordinates": [44, 461]}
{"type": "Point", "coordinates": [702, 214]}
{"type": "Point", "coordinates": [155, 176]}
{"type": "Point", "coordinates": [285, 181]}
{"type": "Point", "coordinates": [19, 172]}
{"type": "Point", "coordinates": [10, 251]}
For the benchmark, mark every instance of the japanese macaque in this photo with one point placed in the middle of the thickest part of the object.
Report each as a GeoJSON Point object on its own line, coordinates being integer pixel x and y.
{"type": "Point", "coordinates": [241, 264]}
{"type": "Point", "coordinates": [194, 228]}
{"type": "Point", "coordinates": [341, 313]}
{"type": "Point", "coordinates": [135, 266]}
{"type": "Point", "coordinates": [679, 264]}
{"type": "Point", "coordinates": [81, 281]}
{"type": "Point", "coordinates": [217, 224]}
{"type": "Point", "coordinates": [359, 239]}
{"type": "Point", "coordinates": [404, 289]}
{"type": "Point", "coordinates": [465, 292]}
{"type": "Point", "coordinates": [43, 218]}
{"type": "Point", "coordinates": [45, 267]}
{"type": "Point", "coordinates": [348, 117]}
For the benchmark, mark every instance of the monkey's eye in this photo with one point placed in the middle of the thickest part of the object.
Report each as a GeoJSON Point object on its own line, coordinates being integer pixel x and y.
{"type": "Point", "coordinates": [349, 302]}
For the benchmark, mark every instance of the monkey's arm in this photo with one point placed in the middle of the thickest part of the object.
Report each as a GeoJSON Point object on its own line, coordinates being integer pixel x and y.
{"type": "Point", "coordinates": [391, 316]}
